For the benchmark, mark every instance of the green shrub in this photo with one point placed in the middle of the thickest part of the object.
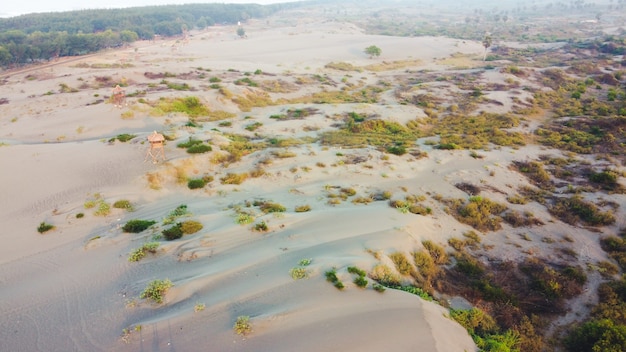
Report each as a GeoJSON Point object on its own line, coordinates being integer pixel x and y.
{"type": "Point", "coordinates": [125, 137]}
{"type": "Point", "coordinates": [305, 262]}
{"type": "Point", "coordinates": [156, 289]}
{"type": "Point", "coordinates": [190, 143]}
{"type": "Point", "coordinates": [261, 227]}
{"type": "Point", "coordinates": [413, 290]}
{"type": "Point", "coordinates": [356, 271]}
{"type": "Point", "coordinates": [397, 150]}
{"type": "Point", "coordinates": [378, 287]}
{"type": "Point", "coordinates": [137, 226]}
{"type": "Point", "coordinates": [196, 183]}
{"type": "Point", "coordinates": [173, 233]}
{"type": "Point", "coordinates": [361, 281]}
{"type": "Point", "coordinates": [199, 149]}
{"type": "Point", "coordinates": [331, 275]}
{"type": "Point", "coordinates": [44, 227]}
{"type": "Point", "coordinates": [242, 325]}
{"type": "Point", "coordinates": [180, 211]}
{"type": "Point", "coordinates": [597, 335]}
{"type": "Point", "coordinates": [575, 209]}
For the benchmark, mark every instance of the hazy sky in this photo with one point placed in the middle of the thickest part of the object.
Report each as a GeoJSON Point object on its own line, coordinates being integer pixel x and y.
{"type": "Point", "coordinates": [20, 7]}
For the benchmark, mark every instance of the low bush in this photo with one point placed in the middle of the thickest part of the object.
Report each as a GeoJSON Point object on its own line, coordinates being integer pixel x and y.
{"type": "Point", "coordinates": [190, 226]}
{"type": "Point", "coordinates": [331, 276]}
{"type": "Point", "coordinates": [44, 227]}
{"type": "Point", "coordinates": [260, 227]}
{"type": "Point", "coordinates": [302, 208]}
{"type": "Point", "coordinates": [199, 149]}
{"type": "Point", "coordinates": [190, 143]}
{"type": "Point", "coordinates": [173, 233]}
{"type": "Point", "coordinates": [196, 183]}
{"type": "Point", "coordinates": [356, 271]}
{"type": "Point", "coordinates": [137, 226]}
{"type": "Point", "coordinates": [361, 281]}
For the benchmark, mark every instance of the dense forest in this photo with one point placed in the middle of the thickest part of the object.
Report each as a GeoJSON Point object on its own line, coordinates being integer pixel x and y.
{"type": "Point", "coordinates": [40, 37]}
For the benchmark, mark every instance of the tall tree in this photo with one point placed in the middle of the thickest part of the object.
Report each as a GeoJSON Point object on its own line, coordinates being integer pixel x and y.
{"type": "Point", "coordinates": [241, 32]}
{"type": "Point", "coordinates": [487, 41]}
{"type": "Point", "coordinates": [373, 50]}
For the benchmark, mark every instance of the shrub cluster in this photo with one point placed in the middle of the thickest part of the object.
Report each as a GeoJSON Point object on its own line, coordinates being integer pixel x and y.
{"type": "Point", "coordinates": [575, 209]}
{"type": "Point", "coordinates": [480, 213]}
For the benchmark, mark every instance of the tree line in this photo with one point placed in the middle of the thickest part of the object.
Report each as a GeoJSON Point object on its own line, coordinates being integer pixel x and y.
{"type": "Point", "coordinates": [40, 37]}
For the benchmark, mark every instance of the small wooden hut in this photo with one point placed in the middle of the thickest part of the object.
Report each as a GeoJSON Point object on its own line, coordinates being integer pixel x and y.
{"type": "Point", "coordinates": [156, 150]}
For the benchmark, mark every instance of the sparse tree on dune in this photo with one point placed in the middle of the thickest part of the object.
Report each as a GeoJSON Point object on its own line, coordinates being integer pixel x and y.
{"type": "Point", "coordinates": [241, 32]}
{"type": "Point", "coordinates": [372, 51]}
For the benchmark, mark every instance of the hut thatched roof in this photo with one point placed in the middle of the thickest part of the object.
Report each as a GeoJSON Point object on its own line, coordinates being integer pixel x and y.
{"type": "Point", "coordinates": [156, 137]}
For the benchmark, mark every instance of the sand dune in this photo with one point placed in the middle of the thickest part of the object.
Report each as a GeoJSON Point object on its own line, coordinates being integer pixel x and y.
{"type": "Point", "coordinates": [74, 289]}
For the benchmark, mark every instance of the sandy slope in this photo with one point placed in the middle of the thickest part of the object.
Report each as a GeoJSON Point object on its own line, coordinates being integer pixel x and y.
{"type": "Point", "coordinates": [62, 292]}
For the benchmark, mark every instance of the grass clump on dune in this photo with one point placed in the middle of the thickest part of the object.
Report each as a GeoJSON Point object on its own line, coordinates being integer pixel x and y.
{"type": "Point", "coordinates": [156, 289]}
{"type": "Point", "coordinates": [242, 325]}
{"type": "Point", "coordinates": [140, 253]}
